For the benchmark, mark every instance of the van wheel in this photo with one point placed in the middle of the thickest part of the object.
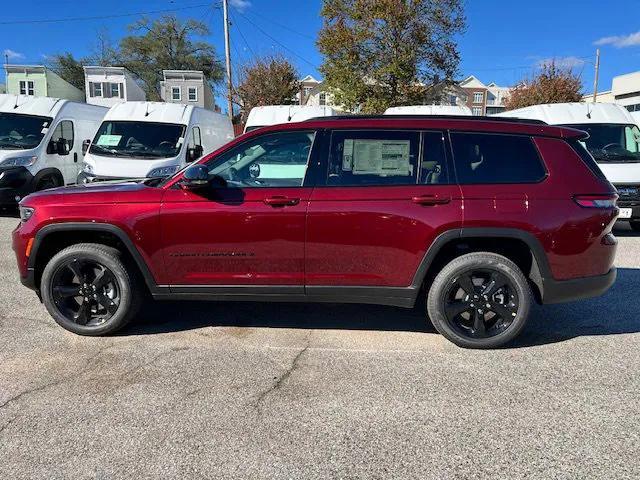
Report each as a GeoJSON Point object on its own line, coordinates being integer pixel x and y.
{"type": "Point", "coordinates": [479, 300]}
{"type": "Point", "coordinates": [47, 182]}
{"type": "Point", "coordinates": [635, 225]}
{"type": "Point", "coordinates": [87, 290]}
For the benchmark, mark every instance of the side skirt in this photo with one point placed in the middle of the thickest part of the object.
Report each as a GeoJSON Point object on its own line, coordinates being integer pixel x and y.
{"type": "Point", "coordinates": [404, 297]}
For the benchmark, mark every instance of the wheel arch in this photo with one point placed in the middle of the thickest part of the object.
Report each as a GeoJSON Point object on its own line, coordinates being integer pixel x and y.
{"type": "Point", "coordinates": [52, 238]}
{"type": "Point", "coordinates": [46, 172]}
{"type": "Point", "coordinates": [520, 246]}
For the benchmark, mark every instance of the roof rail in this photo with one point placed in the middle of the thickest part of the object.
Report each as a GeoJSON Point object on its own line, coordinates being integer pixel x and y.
{"type": "Point", "coordinates": [430, 117]}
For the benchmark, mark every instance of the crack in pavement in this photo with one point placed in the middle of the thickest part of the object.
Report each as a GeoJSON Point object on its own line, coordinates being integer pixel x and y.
{"type": "Point", "coordinates": [142, 365]}
{"type": "Point", "coordinates": [281, 379]}
{"type": "Point", "coordinates": [58, 381]}
{"type": "Point", "coordinates": [6, 425]}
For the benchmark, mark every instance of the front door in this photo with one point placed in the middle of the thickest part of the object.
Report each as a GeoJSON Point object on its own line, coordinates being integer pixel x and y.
{"type": "Point", "coordinates": [248, 228]}
{"type": "Point", "coordinates": [388, 195]}
{"type": "Point", "coordinates": [66, 160]}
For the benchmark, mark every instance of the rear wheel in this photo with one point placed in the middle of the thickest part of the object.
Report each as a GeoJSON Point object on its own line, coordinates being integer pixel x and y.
{"type": "Point", "coordinates": [479, 300]}
{"type": "Point", "coordinates": [635, 225]}
{"type": "Point", "coordinates": [87, 290]}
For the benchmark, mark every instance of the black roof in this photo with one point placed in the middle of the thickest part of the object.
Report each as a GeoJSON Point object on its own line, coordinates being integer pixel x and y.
{"type": "Point", "coordinates": [430, 117]}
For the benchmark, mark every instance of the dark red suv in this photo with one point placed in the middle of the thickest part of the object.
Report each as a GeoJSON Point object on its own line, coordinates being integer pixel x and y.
{"type": "Point", "coordinates": [477, 216]}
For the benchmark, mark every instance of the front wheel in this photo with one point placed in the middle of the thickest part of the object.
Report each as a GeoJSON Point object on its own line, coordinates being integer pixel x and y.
{"type": "Point", "coordinates": [87, 290]}
{"type": "Point", "coordinates": [479, 300]}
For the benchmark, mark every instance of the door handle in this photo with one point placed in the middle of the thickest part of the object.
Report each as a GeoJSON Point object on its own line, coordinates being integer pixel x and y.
{"type": "Point", "coordinates": [281, 201]}
{"type": "Point", "coordinates": [430, 200]}
{"type": "Point", "coordinates": [75, 157]}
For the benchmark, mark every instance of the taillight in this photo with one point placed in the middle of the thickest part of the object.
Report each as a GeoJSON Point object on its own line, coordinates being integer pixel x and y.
{"type": "Point", "coordinates": [596, 201]}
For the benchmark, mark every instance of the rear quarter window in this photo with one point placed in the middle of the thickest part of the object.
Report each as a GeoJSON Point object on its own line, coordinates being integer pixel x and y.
{"type": "Point", "coordinates": [587, 158]}
{"type": "Point", "coordinates": [488, 158]}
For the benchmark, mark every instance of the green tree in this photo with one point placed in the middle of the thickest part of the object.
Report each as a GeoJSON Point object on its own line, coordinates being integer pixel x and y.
{"type": "Point", "coordinates": [68, 67]}
{"type": "Point", "coordinates": [168, 44]}
{"type": "Point", "coordinates": [552, 85]}
{"type": "Point", "coordinates": [270, 80]}
{"type": "Point", "coordinates": [382, 53]}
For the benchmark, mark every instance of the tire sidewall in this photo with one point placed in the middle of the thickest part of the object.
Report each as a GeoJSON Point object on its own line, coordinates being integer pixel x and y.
{"type": "Point", "coordinates": [99, 256]}
{"type": "Point", "coordinates": [465, 263]}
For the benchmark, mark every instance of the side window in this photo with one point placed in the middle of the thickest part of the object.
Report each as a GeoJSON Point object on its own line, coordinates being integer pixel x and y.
{"type": "Point", "coordinates": [196, 138]}
{"type": "Point", "coordinates": [485, 158]}
{"type": "Point", "coordinates": [270, 160]}
{"type": "Point", "coordinates": [433, 169]}
{"type": "Point", "coordinates": [374, 157]}
{"type": "Point", "coordinates": [64, 131]}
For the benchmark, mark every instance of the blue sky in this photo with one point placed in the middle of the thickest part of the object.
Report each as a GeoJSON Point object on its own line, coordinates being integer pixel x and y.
{"type": "Point", "coordinates": [504, 41]}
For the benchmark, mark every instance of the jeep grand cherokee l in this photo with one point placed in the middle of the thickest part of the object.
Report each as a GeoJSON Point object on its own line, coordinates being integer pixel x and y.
{"type": "Point", "coordinates": [478, 217]}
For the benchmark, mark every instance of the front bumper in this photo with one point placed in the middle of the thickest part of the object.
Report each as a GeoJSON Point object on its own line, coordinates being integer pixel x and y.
{"type": "Point", "coordinates": [15, 184]}
{"type": "Point", "coordinates": [560, 291]}
{"type": "Point", "coordinates": [84, 178]}
{"type": "Point", "coordinates": [629, 198]}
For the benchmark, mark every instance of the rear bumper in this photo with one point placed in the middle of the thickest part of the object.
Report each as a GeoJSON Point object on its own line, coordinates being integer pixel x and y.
{"type": "Point", "coordinates": [14, 182]}
{"type": "Point", "coordinates": [560, 291]}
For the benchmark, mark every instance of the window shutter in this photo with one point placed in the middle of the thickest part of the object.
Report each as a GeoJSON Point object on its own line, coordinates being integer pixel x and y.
{"type": "Point", "coordinates": [121, 90]}
{"type": "Point", "coordinates": [106, 90]}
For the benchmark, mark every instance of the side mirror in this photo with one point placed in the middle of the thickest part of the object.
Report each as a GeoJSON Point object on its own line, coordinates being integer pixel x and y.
{"type": "Point", "coordinates": [60, 146]}
{"type": "Point", "coordinates": [195, 177]}
{"type": "Point", "coordinates": [85, 146]}
{"type": "Point", "coordinates": [194, 153]}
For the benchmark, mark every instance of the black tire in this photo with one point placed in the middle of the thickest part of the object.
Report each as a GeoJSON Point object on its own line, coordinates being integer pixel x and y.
{"type": "Point", "coordinates": [500, 316]}
{"type": "Point", "coordinates": [73, 270]}
{"type": "Point", "coordinates": [47, 182]}
{"type": "Point", "coordinates": [635, 225]}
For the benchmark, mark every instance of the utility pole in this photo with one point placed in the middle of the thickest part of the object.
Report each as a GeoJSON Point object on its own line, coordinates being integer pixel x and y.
{"type": "Point", "coordinates": [225, 8]}
{"type": "Point", "coordinates": [595, 81]}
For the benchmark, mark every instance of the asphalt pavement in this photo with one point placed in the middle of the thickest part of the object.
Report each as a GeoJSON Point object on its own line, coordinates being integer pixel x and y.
{"type": "Point", "coordinates": [295, 391]}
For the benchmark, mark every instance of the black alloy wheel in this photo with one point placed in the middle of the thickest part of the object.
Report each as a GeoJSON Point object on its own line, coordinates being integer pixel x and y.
{"type": "Point", "coordinates": [85, 292]}
{"type": "Point", "coordinates": [481, 303]}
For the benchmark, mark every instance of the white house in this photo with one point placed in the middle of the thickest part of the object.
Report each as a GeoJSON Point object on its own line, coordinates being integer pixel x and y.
{"type": "Point", "coordinates": [108, 86]}
{"type": "Point", "coordinates": [484, 99]}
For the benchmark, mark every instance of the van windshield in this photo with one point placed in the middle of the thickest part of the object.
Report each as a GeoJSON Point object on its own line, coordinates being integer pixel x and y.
{"type": "Point", "coordinates": [141, 140]}
{"type": "Point", "coordinates": [19, 131]}
{"type": "Point", "coordinates": [612, 142]}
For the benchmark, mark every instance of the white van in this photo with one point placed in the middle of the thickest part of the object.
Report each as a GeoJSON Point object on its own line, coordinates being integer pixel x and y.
{"type": "Point", "coordinates": [614, 142]}
{"type": "Point", "coordinates": [276, 114]}
{"type": "Point", "coordinates": [152, 139]}
{"type": "Point", "coordinates": [430, 110]}
{"type": "Point", "coordinates": [41, 143]}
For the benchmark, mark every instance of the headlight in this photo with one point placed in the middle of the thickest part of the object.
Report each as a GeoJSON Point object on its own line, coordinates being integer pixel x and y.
{"type": "Point", "coordinates": [87, 168]}
{"type": "Point", "coordinates": [19, 161]}
{"type": "Point", "coordinates": [26, 213]}
{"type": "Point", "coordinates": [163, 171]}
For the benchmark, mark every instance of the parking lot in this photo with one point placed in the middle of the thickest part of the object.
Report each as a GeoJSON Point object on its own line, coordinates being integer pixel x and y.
{"type": "Point", "coordinates": [237, 390]}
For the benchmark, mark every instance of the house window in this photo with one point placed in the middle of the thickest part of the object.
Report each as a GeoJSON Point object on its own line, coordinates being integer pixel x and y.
{"type": "Point", "coordinates": [27, 87]}
{"type": "Point", "coordinates": [453, 100]}
{"type": "Point", "coordinates": [116, 91]}
{"type": "Point", "coordinates": [477, 111]}
{"type": "Point", "coordinates": [323, 99]}
{"type": "Point", "coordinates": [306, 91]}
{"type": "Point", "coordinates": [478, 97]}
{"type": "Point", "coordinates": [193, 94]}
{"type": "Point", "coordinates": [176, 94]}
{"type": "Point", "coordinates": [95, 89]}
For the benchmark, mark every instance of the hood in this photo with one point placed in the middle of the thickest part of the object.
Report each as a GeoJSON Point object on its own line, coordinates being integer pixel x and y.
{"type": "Point", "coordinates": [124, 167]}
{"type": "Point", "coordinates": [98, 193]}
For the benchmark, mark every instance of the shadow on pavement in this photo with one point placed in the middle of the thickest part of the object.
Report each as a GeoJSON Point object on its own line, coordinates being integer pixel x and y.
{"type": "Point", "coordinates": [9, 212]}
{"type": "Point", "coordinates": [616, 312]}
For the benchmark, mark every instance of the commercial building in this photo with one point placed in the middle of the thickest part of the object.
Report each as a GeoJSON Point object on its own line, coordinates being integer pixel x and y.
{"type": "Point", "coordinates": [625, 91]}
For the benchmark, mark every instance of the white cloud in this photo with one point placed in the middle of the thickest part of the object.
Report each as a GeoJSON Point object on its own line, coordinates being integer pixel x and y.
{"type": "Point", "coordinates": [620, 41]}
{"type": "Point", "coordinates": [562, 62]}
{"type": "Point", "coordinates": [12, 55]}
{"type": "Point", "coordinates": [240, 4]}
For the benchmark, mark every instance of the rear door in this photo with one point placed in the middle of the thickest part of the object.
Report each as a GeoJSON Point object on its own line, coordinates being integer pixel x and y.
{"type": "Point", "coordinates": [386, 195]}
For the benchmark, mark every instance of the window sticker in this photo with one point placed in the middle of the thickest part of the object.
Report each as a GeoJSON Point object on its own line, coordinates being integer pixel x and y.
{"type": "Point", "coordinates": [109, 140]}
{"type": "Point", "coordinates": [347, 156]}
{"type": "Point", "coordinates": [382, 157]}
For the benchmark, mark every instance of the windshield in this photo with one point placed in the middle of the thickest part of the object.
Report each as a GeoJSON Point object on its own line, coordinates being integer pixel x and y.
{"type": "Point", "coordinates": [138, 139]}
{"type": "Point", "coordinates": [612, 142]}
{"type": "Point", "coordinates": [19, 131]}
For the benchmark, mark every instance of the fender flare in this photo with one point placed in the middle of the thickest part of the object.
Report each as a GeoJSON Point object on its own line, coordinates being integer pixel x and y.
{"type": "Point", "coordinates": [43, 173]}
{"type": "Point", "coordinates": [45, 231]}
{"type": "Point", "coordinates": [540, 268]}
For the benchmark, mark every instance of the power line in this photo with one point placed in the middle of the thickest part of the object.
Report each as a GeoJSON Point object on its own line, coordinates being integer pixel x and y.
{"type": "Point", "coordinates": [282, 26]}
{"type": "Point", "coordinates": [269, 36]}
{"type": "Point", "coordinates": [235, 23]}
{"type": "Point", "coordinates": [102, 17]}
